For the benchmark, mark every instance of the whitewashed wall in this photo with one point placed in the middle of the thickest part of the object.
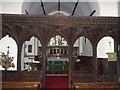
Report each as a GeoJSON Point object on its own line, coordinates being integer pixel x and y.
{"type": "Point", "coordinates": [85, 48]}
{"type": "Point", "coordinates": [105, 45]}
{"type": "Point", "coordinates": [25, 55]}
{"type": "Point", "coordinates": [108, 8]}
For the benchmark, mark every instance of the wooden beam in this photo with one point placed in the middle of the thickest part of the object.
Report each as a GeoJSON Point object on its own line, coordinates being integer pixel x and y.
{"type": "Point", "coordinates": [58, 5]}
{"type": "Point", "coordinates": [20, 85]}
{"type": "Point", "coordinates": [26, 12]}
{"type": "Point", "coordinates": [74, 8]}
{"type": "Point", "coordinates": [42, 5]}
{"type": "Point", "coordinates": [92, 12]}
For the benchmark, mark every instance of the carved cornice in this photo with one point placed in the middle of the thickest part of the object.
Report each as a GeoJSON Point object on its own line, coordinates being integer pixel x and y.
{"type": "Point", "coordinates": [22, 27]}
{"type": "Point", "coordinates": [60, 21]}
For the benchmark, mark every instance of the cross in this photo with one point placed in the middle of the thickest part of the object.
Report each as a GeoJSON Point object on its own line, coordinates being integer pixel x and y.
{"type": "Point", "coordinates": [8, 50]}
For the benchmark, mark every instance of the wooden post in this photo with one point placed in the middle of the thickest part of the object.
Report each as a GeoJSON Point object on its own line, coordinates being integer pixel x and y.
{"type": "Point", "coordinates": [118, 56]}
{"type": "Point", "coordinates": [95, 72]}
{"type": "Point", "coordinates": [5, 74]}
{"type": "Point", "coordinates": [70, 66]}
{"type": "Point", "coordinates": [44, 67]}
{"type": "Point", "coordinates": [118, 67]}
{"type": "Point", "coordinates": [118, 64]}
{"type": "Point", "coordinates": [19, 61]}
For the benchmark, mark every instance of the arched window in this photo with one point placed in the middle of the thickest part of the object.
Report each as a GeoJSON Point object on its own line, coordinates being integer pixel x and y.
{"type": "Point", "coordinates": [57, 41]}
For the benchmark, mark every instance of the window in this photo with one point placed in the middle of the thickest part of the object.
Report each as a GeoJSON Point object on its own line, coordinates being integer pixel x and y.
{"type": "Point", "coordinates": [58, 41]}
{"type": "Point", "coordinates": [29, 48]}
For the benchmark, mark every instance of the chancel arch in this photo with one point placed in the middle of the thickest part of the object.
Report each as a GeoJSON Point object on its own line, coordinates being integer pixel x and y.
{"type": "Point", "coordinates": [10, 49]}
{"type": "Point", "coordinates": [57, 53]}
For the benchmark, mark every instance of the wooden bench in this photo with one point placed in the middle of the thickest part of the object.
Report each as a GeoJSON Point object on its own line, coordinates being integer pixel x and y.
{"type": "Point", "coordinates": [5, 85]}
{"type": "Point", "coordinates": [98, 85]}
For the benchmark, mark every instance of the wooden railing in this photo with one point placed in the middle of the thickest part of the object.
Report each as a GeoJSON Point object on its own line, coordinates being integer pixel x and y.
{"type": "Point", "coordinates": [97, 85]}
{"type": "Point", "coordinates": [20, 85]}
{"type": "Point", "coordinates": [22, 76]}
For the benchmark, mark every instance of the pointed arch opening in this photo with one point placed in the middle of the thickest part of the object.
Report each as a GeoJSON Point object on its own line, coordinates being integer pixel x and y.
{"type": "Point", "coordinates": [105, 45]}
{"type": "Point", "coordinates": [57, 40]}
{"type": "Point", "coordinates": [107, 59]}
{"type": "Point", "coordinates": [31, 55]}
{"type": "Point", "coordinates": [83, 58]}
{"type": "Point", "coordinates": [84, 46]}
{"type": "Point", "coordinates": [57, 55]}
{"type": "Point", "coordinates": [9, 46]}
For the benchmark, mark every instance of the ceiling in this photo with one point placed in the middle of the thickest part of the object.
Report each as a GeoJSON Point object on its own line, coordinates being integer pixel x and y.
{"type": "Point", "coordinates": [82, 8]}
{"type": "Point", "coordinates": [74, 8]}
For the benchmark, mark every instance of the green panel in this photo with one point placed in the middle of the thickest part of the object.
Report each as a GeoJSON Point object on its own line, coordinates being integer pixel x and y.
{"type": "Point", "coordinates": [58, 62]}
{"type": "Point", "coordinates": [66, 66]}
{"type": "Point", "coordinates": [112, 56]}
{"type": "Point", "coordinates": [51, 68]}
{"type": "Point", "coordinates": [66, 62]}
{"type": "Point", "coordinates": [49, 62]}
{"type": "Point", "coordinates": [57, 67]}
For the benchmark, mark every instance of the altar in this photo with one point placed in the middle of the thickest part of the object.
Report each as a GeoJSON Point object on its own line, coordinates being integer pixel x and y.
{"type": "Point", "coordinates": [57, 66]}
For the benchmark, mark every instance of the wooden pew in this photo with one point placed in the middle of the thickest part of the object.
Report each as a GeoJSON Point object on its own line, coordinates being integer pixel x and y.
{"type": "Point", "coordinates": [97, 85]}
{"type": "Point", "coordinates": [20, 85]}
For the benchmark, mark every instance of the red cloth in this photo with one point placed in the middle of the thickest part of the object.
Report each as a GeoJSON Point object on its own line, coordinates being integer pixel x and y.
{"type": "Point", "coordinates": [57, 82]}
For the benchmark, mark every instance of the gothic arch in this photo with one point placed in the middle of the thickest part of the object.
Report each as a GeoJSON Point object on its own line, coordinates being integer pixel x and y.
{"type": "Point", "coordinates": [84, 34]}
{"type": "Point", "coordinates": [108, 31]}
{"type": "Point", "coordinates": [7, 31]}
{"type": "Point", "coordinates": [12, 48]}
{"type": "Point", "coordinates": [89, 42]}
{"type": "Point", "coordinates": [105, 48]}
{"type": "Point", "coordinates": [23, 51]}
